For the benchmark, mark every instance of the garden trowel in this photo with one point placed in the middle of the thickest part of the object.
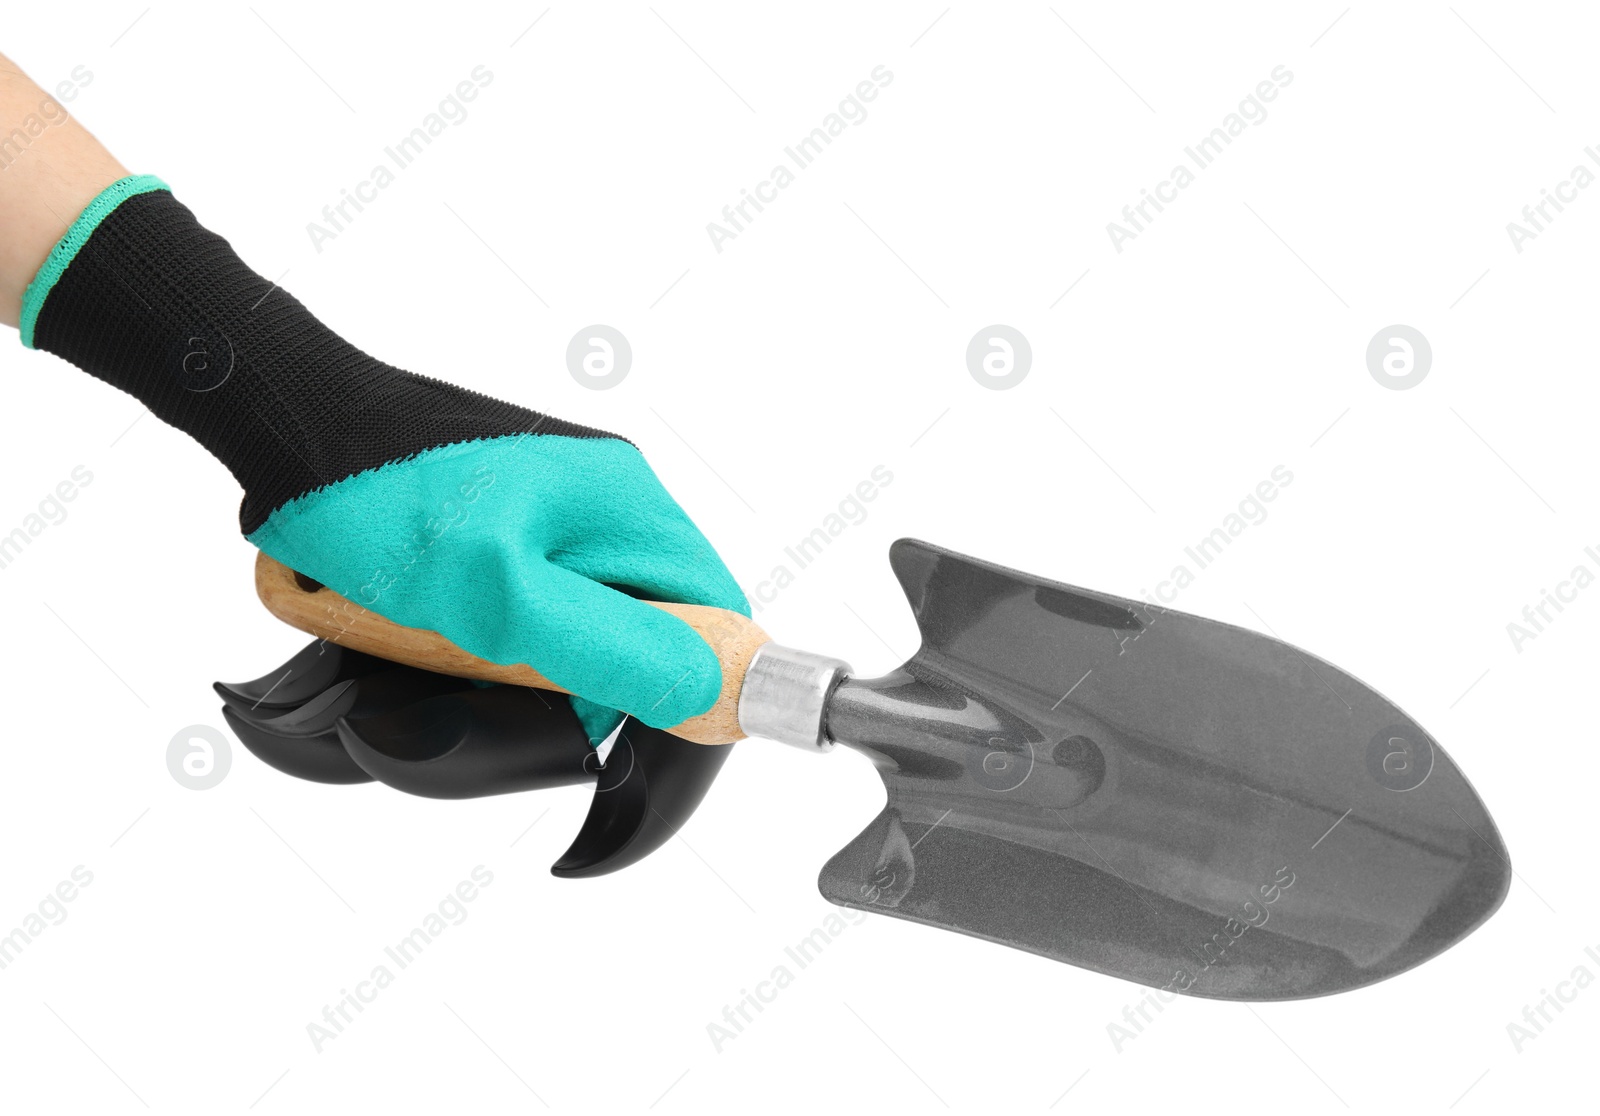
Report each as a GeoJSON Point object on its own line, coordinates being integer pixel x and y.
{"type": "Point", "coordinates": [1105, 782]}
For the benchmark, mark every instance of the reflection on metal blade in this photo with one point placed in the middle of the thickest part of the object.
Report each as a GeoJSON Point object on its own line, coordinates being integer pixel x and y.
{"type": "Point", "coordinates": [1152, 795]}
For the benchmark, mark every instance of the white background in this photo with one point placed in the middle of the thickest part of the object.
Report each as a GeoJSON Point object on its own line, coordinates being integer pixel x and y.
{"type": "Point", "coordinates": [769, 380]}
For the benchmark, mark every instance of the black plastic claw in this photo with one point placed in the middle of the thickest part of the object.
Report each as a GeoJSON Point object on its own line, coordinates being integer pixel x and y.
{"type": "Point", "coordinates": [322, 759]}
{"type": "Point", "coordinates": [651, 783]}
{"type": "Point", "coordinates": [315, 668]}
{"type": "Point", "coordinates": [333, 715]}
{"type": "Point", "coordinates": [302, 741]}
{"type": "Point", "coordinates": [376, 693]}
{"type": "Point", "coordinates": [472, 744]}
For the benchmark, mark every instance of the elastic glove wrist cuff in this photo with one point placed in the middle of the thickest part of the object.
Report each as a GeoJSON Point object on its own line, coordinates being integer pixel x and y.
{"type": "Point", "coordinates": [67, 248]}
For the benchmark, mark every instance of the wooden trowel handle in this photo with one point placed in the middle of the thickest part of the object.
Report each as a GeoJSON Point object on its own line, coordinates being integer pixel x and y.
{"type": "Point", "coordinates": [302, 603]}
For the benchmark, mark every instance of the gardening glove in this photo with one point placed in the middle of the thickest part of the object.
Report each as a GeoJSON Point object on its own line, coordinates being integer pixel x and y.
{"type": "Point", "coordinates": [519, 537]}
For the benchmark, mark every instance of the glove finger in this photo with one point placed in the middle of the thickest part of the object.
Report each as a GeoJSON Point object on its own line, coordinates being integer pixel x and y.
{"type": "Point", "coordinates": [630, 531]}
{"type": "Point", "coordinates": [684, 573]}
{"type": "Point", "coordinates": [613, 650]}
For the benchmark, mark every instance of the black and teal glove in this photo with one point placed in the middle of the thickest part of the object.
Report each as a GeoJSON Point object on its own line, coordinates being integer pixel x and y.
{"type": "Point", "coordinates": [517, 536]}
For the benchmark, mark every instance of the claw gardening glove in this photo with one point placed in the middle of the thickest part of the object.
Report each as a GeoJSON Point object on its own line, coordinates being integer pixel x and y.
{"type": "Point", "coordinates": [519, 537]}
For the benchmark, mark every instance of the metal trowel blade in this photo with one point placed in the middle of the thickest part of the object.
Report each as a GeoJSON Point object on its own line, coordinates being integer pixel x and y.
{"type": "Point", "coordinates": [1153, 795]}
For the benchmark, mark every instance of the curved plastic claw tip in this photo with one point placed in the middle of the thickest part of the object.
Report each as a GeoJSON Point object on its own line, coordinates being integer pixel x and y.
{"type": "Point", "coordinates": [322, 759]}
{"type": "Point", "coordinates": [472, 744]}
{"type": "Point", "coordinates": [318, 666]}
{"type": "Point", "coordinates": [650, 785]}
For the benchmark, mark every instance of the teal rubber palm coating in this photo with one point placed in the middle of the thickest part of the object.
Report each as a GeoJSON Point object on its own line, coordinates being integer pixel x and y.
{"type": "Point", "coordinates": [508, 548]}
{"type": "Point", "coordinates": [518, 536]}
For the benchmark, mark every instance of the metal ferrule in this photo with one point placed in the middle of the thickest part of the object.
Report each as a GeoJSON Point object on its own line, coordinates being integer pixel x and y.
{"type": "Point", "coordinates": [785, 696]}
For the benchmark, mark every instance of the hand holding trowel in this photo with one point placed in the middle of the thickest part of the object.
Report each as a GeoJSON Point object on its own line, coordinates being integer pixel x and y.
{"type": "Point", "coordinates": [1137, 791]}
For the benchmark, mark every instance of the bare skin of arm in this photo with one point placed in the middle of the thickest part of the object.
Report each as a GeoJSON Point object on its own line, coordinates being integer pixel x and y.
{"type": "Point", "coordinates": [51, 168]}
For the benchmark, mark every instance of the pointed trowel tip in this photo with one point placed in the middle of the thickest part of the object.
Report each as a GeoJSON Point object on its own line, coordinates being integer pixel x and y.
{"type": "Point", "coordinates": [1481, 886]}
